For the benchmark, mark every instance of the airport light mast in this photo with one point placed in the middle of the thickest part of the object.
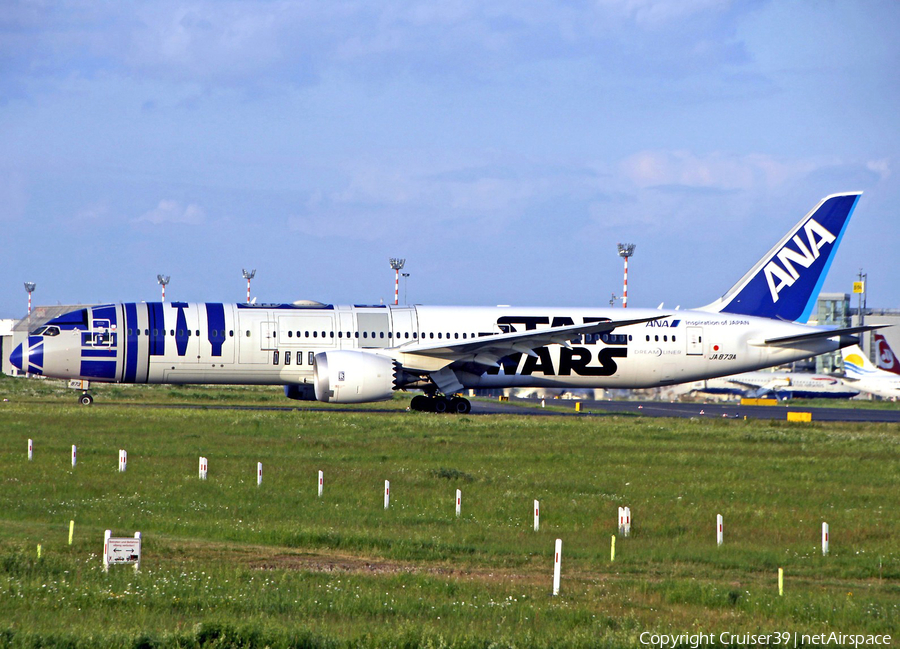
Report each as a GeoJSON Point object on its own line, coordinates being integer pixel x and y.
{"type": "Point", "coordinates": [248, 275]}
{"type": "Point", "coordinates": [30, 286]}
{"type": "Point", "coordinates": [163, 280]}
{"type": "Point", "coordinates": [397, 264]}
{"type": "Point", "coordinates": [405, 286]}
{"type": "Point", "coordinates": [625, 251]}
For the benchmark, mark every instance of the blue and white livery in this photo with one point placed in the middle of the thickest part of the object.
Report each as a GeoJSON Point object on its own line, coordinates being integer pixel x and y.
{"type": "Point", "coordinates": [352, 354]}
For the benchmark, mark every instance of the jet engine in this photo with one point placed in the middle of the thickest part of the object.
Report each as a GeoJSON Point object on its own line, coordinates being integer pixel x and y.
{"type": "Point", "coordinates": [354, 377]}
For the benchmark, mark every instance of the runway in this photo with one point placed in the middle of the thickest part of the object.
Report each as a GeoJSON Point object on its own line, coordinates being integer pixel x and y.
{"type": "Point", "coordinates": [682, 410]}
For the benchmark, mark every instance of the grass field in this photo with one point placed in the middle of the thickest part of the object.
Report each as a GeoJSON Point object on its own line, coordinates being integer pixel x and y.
{"type": "Point", "coordinates": [229, 563]}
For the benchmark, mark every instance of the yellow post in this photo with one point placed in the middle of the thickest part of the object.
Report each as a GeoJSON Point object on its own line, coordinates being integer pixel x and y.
{"type": "Point", "coordinates": [71, 531]}
{"type": "Point", "coordinates": [39, 550]}
{"type": "Point", "coordinates": [612, 548]}
{"type": "Point", "coordinates": [780, 582]}
{"type": "Point", "coordinates": [577, 406]}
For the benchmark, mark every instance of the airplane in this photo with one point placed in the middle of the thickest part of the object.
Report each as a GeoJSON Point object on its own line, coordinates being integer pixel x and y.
{"type": "Point", "coordinates": [359, 353]}
{"type": "Point", "coordinates": [778, 385]}
{"type": "Point", "coordinates": [884, 355]}
{"type": "Point", "coordinates": [861, 373]}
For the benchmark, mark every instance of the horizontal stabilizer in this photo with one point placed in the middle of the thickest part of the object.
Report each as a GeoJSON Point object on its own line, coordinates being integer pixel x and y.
{"type": "Point", "coordinates": [790, 341]}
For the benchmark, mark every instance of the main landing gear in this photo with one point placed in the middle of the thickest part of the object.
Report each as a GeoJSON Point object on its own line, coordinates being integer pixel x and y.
{"type": "Point", "coordinates": [440, 404]}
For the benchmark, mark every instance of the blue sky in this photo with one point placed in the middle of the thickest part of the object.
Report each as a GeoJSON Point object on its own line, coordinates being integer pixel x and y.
{"type": "Point", "coordinates": [502, 148]}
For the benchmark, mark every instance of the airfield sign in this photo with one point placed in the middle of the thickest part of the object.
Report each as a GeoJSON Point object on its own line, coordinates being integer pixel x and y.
{"type": "Point", "coordinates": [121, 550]}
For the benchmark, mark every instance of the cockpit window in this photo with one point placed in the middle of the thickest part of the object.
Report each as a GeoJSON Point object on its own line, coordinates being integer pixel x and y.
{"type": "Point", "coordinates": [46, 330]}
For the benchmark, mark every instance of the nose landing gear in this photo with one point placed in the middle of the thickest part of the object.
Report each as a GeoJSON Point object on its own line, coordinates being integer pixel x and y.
{"type": "Point", "coordinates": [86, 399]}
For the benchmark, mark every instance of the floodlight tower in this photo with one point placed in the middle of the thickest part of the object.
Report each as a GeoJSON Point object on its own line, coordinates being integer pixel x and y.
{"type": "Point", "coordinates": [397, 264]}
{"type": "Point", "coordinates": [163, 280]}
{"type": "Point", "coordinates": [625, 251]}
{"type": "Point", "coordinates": [248, 275]}
{"type": "Point", "coordinates": [30, 286]}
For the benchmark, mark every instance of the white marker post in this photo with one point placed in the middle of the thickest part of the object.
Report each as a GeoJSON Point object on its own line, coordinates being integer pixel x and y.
{"type": "Point", "coordinates": [30, 450]}
{"type": "Point", "coordinates": [780, 582]}
{"type": "Point", "coordinates": [321, 483]}
{"type": "Point", "coordinates": [123, 460]}
{"type": "Point", "coordinates": [556, 561]}
{"type": "Point", "coordinates": [106, 535]}
{"type": "Point", "coordinates": [824, 539]}
{"type": "Point", "coordinates": [258, 473]}
{"type": "Point", "coordinates": [137, 564]}
{"type": "Point", "coordinates": [458, 502]}
{"type": "Point", "coordinates": [537, 515]}
{"type": "Point", "coordinates": [387, 494]}
{"type": "Point", "coordinates": [74, 455]}
{"type": "Point", "coordinates": [624, 521]}
{"type": "Point", "coordinates": [720, 534]}
{"type": "Point", "coordinates": [204, 467]}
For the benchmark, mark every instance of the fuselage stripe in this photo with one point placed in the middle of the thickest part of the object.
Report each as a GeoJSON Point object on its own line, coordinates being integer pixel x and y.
{"type": "Point", "coordinates": [131, 347]}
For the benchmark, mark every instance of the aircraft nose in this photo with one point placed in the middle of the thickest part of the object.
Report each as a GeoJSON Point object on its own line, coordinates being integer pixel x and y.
{"type": "Point", "coordinates": [15, 358]}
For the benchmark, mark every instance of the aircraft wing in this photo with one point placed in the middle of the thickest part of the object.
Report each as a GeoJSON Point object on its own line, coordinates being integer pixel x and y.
{"type": "Point", "coordinates": [790, 341]}
{"type": "Point", "coordinates": [488, 350]}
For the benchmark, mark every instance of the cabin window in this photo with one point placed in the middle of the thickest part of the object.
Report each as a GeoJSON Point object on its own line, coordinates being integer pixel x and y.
{"type": "Point", "coordinates": [287, 358]}
{"type": "Point", "coordinates": [456, 336]}
{"type": "Point", "coordinates": [440, 335]}
{"type": "Point", "coordinates": [275, 357]}
{"type": "Point", "coordinates": [231, 333]}
{"type": "Point", "coordinates": [648, 338]}
{"type": "Point", "coordinates": [311, 358]}
{"type": "Point", "coordinates": [315, 334]}
{"type": "Point", "coordinates": [381, 335]}
{"type": "Point", "coordinates": [390, 334]}
{"type": "Point", "coordinates": [357, 334]}
{"type": "Point", "coordinates": [415, 334]}
{"type": "Point", "coordinates": [630, 337]}
{"type": "Point", "coordinates": [665, 339]}
{"type": "Point", "coordinates": [306, 334]}
{"type": "Point", "coordinates": [290, 334]}
{"type": "Point", "coordinates": [656, 338]}
{"type": "Point", "coordinates": [340, 334]}
{"type": "Point", "coordinates": [431, 335]}
{"type": "Point", "coordinates": [248, 333]}
{"type": "Point", "coordinates": [365, 334]}
{"type": "Point", "coordinates": [673, 338]}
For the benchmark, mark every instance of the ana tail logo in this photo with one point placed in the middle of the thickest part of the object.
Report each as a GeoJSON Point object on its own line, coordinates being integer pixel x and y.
{"type": "Point", "coordinates": [817, 237]}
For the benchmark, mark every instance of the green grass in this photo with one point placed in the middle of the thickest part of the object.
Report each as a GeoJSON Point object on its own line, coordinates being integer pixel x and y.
{"type": "Point", "coordinates": [228, 563]}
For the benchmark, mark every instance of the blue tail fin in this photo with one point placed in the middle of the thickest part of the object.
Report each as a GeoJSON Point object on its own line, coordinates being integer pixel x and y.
{"type": "Point", "coordinates": [785, 283]}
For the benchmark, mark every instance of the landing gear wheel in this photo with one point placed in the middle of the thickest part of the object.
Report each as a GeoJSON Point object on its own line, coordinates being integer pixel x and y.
{"type": "Point", "coordinates": [441, 405]}
{"type": "Point", "coordinates": [420, 403]}
{"type": "Point", "coordinates": [460, 406]}
{"type": "Point", "coordinates": [86, 399]}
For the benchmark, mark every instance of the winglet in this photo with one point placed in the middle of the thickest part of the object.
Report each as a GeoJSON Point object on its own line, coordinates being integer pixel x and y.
{"type": "Point", "coordinates": [785, 283]}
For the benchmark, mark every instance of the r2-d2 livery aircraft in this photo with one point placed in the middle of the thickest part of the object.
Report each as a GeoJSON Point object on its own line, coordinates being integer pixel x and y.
{"type": "Point", "coordinates": [355, 354]}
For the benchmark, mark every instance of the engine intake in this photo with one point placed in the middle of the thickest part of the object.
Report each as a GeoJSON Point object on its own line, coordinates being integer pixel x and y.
{"type": "Point", "coordinates": [354, 377]}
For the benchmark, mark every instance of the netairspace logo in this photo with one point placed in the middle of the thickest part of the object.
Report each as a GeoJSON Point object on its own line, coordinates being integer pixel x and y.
{"type": "Point", "coordinates": [782, 639]}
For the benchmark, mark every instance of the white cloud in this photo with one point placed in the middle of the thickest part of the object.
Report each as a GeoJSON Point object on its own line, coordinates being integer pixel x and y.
{"type": "Point", "coordinates": [714, 170]}
{"type": "Point", "coordinates": [170, 211]}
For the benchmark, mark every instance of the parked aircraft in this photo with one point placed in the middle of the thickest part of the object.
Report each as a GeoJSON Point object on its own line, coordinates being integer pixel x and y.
{"type": "Point", "coordinates": [861, 373]}
{"type": "Point", "coordinates": [778, 385]}
{"type": "Point", "coordinates": [354, 354]}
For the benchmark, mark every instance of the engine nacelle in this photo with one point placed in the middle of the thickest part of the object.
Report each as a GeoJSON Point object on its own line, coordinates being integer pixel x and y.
{"type": "Point", "coordinates": [353, 377]}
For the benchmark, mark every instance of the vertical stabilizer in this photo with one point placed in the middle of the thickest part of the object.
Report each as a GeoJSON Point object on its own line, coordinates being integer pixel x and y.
{"type": "Point", "coordinates": [884, 355]}
{"type": "Point", "coordinates": [785, 283]}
